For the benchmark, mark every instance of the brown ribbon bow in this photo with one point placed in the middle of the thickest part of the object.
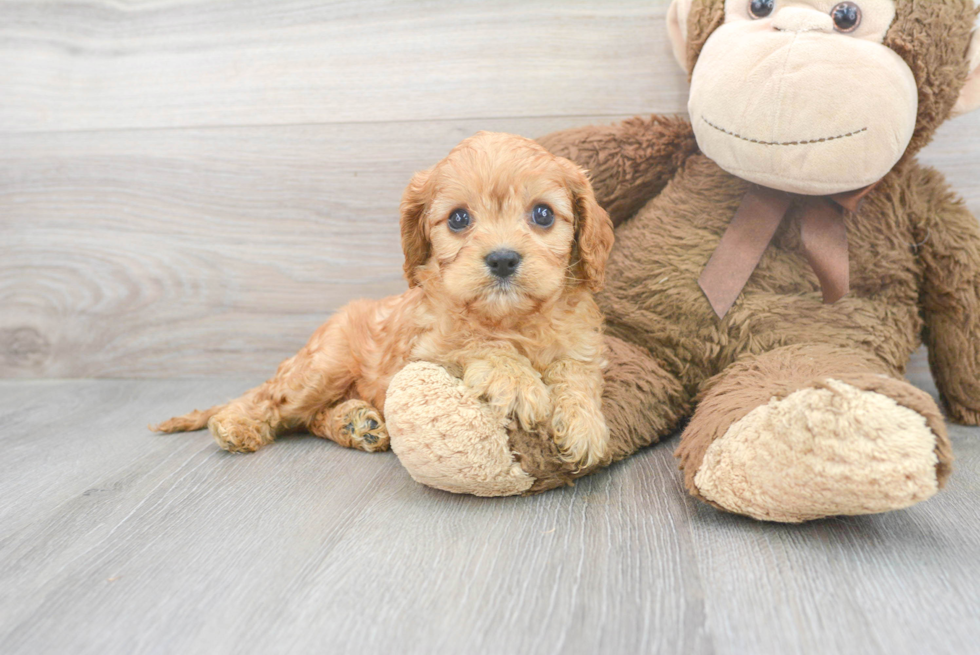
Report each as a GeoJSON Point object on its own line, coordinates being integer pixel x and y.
{"type": "Point", "coordinates": [823, 234]}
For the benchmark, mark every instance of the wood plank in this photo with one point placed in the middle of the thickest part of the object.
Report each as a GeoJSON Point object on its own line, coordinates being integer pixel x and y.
{"type": "Point", "coordinates": [114, 540]}
{"type": "Point", "coordinates": [200, 252]}
{"type": "Point", "coordinates": [105, 65]}
{"type": "Point", "coordinates": [215, 252]}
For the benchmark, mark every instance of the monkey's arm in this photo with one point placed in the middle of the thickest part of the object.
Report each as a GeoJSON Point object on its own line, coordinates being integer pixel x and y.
{"type": "Point", "coordinates": [950, 300]}
{"type": "Point", "coordinates": [629, 162]}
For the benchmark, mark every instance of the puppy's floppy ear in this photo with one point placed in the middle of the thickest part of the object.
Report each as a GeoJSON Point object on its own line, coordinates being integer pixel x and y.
{"type": "Point", "coordinates": [593, 228]}
{"type": "Point", "coordinates": [415, 242]}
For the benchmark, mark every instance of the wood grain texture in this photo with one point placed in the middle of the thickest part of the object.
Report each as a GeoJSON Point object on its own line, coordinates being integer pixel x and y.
{"type": "Point", "coordinates": [179, 194]}
{"type": "Point", "coordinates": [213, 252]}
{"type": "Point", "coordinates": [114, 540]}
{"type": "Point", "coordinates": [102, 65]}
{"type": "Point", "coordinates": [188, 188]}
{"type": "Point", "coordinates": [200, 252]}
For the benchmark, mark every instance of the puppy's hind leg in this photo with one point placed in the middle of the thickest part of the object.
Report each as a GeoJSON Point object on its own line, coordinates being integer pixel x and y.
{"type": "Point", "coordinates": [230, 425]}
{"type": "Point", "coordinates": [318, 376]}
{"type": "Point", "coordinates": [196, 420]}
{"type": "Point", "coordinates": [352, 424]}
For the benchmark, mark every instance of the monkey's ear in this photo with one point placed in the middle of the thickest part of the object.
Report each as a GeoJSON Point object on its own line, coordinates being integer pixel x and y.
{"type": "Point", "coordinates": [677, 30]}
{"type": "Point", "coordinates": [415, 241]}
{"type": "Point", "coordinates": [689, 24]}
{"type": "Point", "coordinates": [970, 95]}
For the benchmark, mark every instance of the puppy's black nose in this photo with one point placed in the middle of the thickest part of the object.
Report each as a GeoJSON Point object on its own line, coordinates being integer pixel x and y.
{"type": "Point", "coordinates": [503, 263]}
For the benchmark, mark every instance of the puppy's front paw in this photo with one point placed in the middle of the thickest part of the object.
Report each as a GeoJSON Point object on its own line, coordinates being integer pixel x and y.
{"type": "Point", "coordinates": [239, 434]}
{"type": "Point", "coordinates": [510, 390]}
{"type": "Point", "coordinates": [532, 406]}
{"type": "Point", "coordinates": [580, 431]}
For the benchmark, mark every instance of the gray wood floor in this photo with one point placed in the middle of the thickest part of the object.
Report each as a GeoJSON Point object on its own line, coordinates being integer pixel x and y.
{"type": "Point", "coordinates": [116, 540]}
{"type": "Point", "coordinates": [187, 189]}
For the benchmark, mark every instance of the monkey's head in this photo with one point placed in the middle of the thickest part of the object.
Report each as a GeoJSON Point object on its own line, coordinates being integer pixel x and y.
{"type": "Point", "coordinates": [821, 96]}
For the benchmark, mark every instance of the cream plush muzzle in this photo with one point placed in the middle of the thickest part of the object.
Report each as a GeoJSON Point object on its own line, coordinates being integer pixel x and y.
{"type": "Point", "coordinates": [790, 104]}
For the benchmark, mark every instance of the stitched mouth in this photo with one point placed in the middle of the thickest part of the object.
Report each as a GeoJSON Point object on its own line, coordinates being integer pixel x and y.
{"type": "Point", "coordinates": [783, 143]}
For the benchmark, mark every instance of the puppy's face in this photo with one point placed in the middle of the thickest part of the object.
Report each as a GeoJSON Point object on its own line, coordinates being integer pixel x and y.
{"type": "Point", "coordinates": [501, 226]}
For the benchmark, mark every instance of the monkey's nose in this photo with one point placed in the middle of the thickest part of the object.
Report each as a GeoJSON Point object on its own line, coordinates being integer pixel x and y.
{"type": "Point", "coordinates": [800, 19]}
{"type": "Point", "coordinates": [503, 263]}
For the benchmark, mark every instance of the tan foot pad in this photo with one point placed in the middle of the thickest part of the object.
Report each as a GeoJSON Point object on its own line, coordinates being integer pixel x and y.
{"type": "Point", "coordinates": [446, 438]}
{"type": "Point", "coordinates": [821, 452]}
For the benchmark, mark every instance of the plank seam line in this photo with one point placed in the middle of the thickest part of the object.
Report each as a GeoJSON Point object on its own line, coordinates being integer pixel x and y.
{"type": "Point", "coordinates": [410, 121]}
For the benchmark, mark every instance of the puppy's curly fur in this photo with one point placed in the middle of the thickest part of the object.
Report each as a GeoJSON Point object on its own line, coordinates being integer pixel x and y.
{"type": "Point", "coordinates": [530, 343]}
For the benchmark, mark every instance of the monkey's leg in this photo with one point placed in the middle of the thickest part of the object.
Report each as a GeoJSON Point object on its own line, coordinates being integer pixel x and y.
{"type": "Point", "coordinates": [448, 438]}
{"type": "Point", "coordinates": [810, 431]}
{"type": "Point", "coordinates": [641, 401]}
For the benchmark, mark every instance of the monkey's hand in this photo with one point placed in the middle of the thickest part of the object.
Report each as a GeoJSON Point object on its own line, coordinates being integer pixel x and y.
{"type": "Point", "coordinates": [629, 162]}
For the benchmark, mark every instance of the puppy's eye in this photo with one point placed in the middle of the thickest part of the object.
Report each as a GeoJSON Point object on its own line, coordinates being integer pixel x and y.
{"type": "Point", "coordinates": [459, 220]}
{"type": "Point", "coordinates": [543, 216]}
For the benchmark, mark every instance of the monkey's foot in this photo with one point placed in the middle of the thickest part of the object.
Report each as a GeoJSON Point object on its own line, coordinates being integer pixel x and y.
{"type": "Point", "coordinates": [823, 451]}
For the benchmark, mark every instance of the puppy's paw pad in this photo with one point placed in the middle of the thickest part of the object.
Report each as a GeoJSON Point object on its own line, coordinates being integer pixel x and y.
{"type": "Point", "coordinates": [367, 430]}
{"type": "Point", "coordinates": [359, 425]}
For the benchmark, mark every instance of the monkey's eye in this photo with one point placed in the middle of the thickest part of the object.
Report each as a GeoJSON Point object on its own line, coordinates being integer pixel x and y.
{"type": "Point", "coordinates": [761, 8]}
{"type": "Point", "coordinates": [459, 220]}
{"type": "Point", "coordinates": [543, 216]}
{"type": "Point", "coordinates": [847, 17]}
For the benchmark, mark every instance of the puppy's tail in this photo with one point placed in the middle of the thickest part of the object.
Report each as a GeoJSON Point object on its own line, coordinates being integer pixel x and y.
{"type": "Point", "coordinates": [196, 420]}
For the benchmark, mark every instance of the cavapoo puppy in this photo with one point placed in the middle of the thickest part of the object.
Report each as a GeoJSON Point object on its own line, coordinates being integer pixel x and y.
{"type": "Point", "coordinates": [504, 243]}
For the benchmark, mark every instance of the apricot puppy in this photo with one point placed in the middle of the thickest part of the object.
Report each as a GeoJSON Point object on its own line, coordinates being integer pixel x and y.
{"type": "Point", "coordinates": [504, 244]}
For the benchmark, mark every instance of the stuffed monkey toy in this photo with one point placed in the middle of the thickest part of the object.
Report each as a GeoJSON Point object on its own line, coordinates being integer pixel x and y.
{"type": "Point", "coordinates": [778, 258]}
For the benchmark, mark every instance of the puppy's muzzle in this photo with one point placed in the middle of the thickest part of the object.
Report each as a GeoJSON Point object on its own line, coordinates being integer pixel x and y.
{"type": "Point", "coordinates": [503, 263]}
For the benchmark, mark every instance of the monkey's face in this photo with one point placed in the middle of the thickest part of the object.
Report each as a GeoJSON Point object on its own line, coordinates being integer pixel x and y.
{"type": "Point", "coordinates": [803, 96]}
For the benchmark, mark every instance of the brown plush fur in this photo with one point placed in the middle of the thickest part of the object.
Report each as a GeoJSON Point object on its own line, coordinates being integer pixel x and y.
{"type": "Point", "coordinates": [531, 345]}
{"type": "Point", "coordinates": [641, 401]}
{"type": "Point", "coordinates": [914, 257]}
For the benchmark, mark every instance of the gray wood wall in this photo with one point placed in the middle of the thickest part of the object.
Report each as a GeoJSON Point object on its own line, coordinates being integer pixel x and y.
{"type": "Point", "coordinates": [189, 187]}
